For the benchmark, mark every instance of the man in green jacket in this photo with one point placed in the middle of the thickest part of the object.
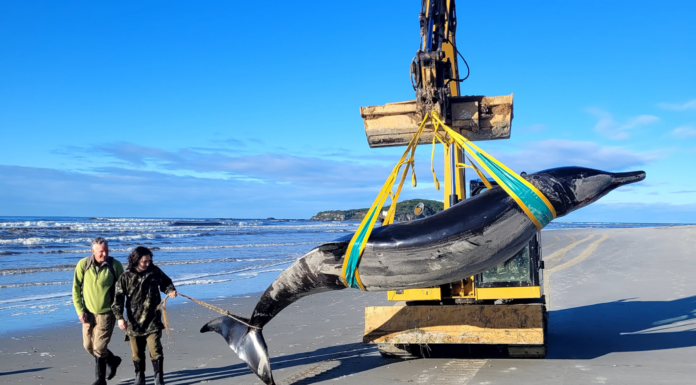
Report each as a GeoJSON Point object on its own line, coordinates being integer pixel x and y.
{"type": "Point", "coordinates": [94, 288]}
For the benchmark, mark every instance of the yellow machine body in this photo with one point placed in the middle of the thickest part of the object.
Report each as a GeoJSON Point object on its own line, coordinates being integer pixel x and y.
{"type": "Point", "coordinates": [460, 312]}
{"type": "Point", "coordinates": [477, 294]}
{"type": "Point", "coordinates": [465, 289]}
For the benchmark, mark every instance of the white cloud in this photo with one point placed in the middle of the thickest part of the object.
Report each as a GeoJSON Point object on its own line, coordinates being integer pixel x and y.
{"type": "Point", "coordinates": [634, 213]}
{"type": "Point", "coordinates": [690, 105]}
{"type": "Point", "coordinates": [550, 153]}
{"type": "Point", "coordinates": [122, 192]}
{"type": "Point", "coordinates": [610, 128]}
{"type": "Point", "coordinates": [274, 167]}
{"type": "Point", "coordinates": [128, 192]}
{"type": "Point", "coordinates": [202, 182]}
{"type": "Point", "coordinates": [199, 181]}
{"type": "Point", "coordinates": [684, 132]}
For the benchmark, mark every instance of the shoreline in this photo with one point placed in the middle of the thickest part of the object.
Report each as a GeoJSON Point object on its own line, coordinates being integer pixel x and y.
{"type": "Point", "coordinates": [207, 292]}
{"type": "Point", "coordinates": [56, 354]}
{"type": "Point", "coordinates": [621, 311]}
{"type": "Point", "coordinates": [172, 305]}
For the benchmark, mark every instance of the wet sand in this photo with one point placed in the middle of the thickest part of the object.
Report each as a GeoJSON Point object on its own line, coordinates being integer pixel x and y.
{"type": "Point", "coordinates": [622, 311]}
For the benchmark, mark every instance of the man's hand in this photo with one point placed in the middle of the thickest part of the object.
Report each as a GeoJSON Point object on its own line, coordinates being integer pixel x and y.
{"type": "Point", "coordinates": [122, 324]}
{"type": "Point", "coordinates": [83, 318]}
{"type": "Point", "coordinates": [172, 294]}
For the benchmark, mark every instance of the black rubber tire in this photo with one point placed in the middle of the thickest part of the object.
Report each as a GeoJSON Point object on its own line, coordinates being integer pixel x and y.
{"type": "Point", "coordinates": [533, 351]}
{"type": "Point", "coordinates": [400, 351]}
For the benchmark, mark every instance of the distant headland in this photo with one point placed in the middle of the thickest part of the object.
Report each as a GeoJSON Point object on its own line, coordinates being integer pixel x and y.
{"type": "Point", "coordinates": [404, 211]}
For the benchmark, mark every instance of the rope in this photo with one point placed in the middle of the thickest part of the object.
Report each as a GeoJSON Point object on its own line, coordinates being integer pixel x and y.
{"type": "Point", "coordinates": [163, 306]}
{"type": "Point", "coordinates": [165, 315]}
{"type": "Point", "coordinates": [537, 207]}
{"type": "Point", "coordinates": [479, 172]}
{"type": "Point", "coordinates": [441, 139]}
{"type": "Point", "coordinates": [529, 198]}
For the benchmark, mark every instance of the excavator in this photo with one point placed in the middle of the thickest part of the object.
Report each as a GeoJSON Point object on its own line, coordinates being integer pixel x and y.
{"type": "Point", "coordinates": [504, 306]}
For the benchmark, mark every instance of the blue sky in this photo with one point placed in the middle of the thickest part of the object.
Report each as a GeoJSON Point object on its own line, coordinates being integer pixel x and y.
{"type": "Point", "coordinates": [250, 109]}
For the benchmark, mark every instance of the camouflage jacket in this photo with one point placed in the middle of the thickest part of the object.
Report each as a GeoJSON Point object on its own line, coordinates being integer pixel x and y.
{"type": "Point", "coordinates": [141, 292]}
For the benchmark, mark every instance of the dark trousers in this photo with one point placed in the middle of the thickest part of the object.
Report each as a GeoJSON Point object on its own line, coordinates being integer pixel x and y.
{"type": "Point", "coordinates": [153, 343]}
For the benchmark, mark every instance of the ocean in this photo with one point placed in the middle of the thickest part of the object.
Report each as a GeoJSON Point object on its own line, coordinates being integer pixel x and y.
{"type": "Point", "coordinates": [206, 258]}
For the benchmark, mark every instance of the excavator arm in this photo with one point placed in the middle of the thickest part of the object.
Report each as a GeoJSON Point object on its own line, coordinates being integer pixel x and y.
{"type": "Point", "coordinates": [436, 82]}
{"type": "Point", "coordinates": [434, 73]}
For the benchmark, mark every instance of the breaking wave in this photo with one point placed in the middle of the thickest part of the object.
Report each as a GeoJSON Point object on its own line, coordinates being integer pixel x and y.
{"type": "Point", "coordinates": [185, 280]}
{"type": "Point", "coordinates": [175, 248]}
{"type": "Point", "coordinates": [29, 284]}
{"type": "Point", "coordinates": [30, 270]}
{"type": "Point", "coordinates": [172, 248]}
{"type": "Point", "coordinates": [123, 238]}
{"type": "Point", "coordinates": [202, 282]}
{"type": "Point", "coordinates": [37, 297]}
{"type": "Point", "coordinates": [255, 273]}
{"type": "Point", "coordinates": [44, 269]}
{"type": "Point", "coordinates": [38, 254]}
{"type": "Point", "coordinates": [240, 270]}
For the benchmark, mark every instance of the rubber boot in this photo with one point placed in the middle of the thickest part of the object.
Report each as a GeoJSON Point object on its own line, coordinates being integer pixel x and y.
{"type": "Point", "coordinates": [112, 363]}
{"type": "Point", "coordinates": [157, 366]}
{"type": "Point", "coordinates": [100, 370]}
{"type": "Point", "coordinates": [139, 372]}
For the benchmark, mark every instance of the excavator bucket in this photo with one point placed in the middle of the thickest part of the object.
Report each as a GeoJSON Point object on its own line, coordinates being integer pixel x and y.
{"type": "Point", "coordinates": [474, 117]}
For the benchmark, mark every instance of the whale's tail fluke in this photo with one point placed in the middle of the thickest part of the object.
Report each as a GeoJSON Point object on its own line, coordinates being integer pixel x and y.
{"type": "Point", "coordinates": [247, 342]}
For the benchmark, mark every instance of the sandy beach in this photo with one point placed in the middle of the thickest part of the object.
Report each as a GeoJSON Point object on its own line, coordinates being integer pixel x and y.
{"type": "Point", "coordinates": [622, 311]}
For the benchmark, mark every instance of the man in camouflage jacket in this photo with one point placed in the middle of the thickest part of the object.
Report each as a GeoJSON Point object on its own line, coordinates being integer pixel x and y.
{"type": "Point", "coordinates": [139, 286]}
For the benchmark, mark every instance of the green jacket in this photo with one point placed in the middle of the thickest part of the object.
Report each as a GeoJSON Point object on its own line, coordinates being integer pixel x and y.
{"type": "Point", "coordinates": [91, 287]}
{"type": "Point", "coordinates": [142, 290]}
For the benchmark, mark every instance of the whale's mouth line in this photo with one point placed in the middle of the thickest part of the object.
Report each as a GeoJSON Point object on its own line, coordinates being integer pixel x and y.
{"type": "Point", "coordinates": [624, 178]}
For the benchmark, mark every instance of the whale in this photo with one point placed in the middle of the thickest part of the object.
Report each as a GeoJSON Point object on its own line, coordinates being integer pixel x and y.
{"type": "Point", "coordinates": [468, 238]}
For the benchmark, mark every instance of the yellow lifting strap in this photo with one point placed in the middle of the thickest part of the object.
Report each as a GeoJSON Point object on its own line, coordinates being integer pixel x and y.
{"type": "Point", "coordinates": [480, 174]}
{"type": "Point", "coordinates": [528, 197]}
{"type": "Point", "coordinates": [537, 207]}
{"type": "Point", "coordinates": [350, 275]}
{"type": "Point", "coordinates": [445, 143]}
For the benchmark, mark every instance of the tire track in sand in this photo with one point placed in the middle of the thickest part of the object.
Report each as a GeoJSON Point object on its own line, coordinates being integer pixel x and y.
{"type": "Point", "coordinates": [562, 252]}
{"type": "Point", "coordinates": [314, 372]}
{"type": "Point", "coordinates": [555, 238]}
{"type": "Point", "coordinates": [453, 372]}
{"type": "Point", "coordinates": [327, 369]}
{"type": "Point", "coordinates": [589, 250]}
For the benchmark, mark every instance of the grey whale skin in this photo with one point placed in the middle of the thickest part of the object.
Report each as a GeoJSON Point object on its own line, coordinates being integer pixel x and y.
{"type": "Point", "coordinates": [466, 239]}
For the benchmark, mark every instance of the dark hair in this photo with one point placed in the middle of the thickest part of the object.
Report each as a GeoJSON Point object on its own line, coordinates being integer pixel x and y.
{"type": "Point", "coordinates": [135, 256]}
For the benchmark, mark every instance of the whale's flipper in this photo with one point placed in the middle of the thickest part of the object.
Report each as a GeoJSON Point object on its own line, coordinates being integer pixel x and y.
{"type": "Point", "coordinates": [247, 342]}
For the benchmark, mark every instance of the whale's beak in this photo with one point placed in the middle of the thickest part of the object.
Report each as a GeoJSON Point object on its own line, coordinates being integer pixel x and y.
{"type": "Point", "coordinates": [624, 178]}
{"type": "Point", "coordinates": [588, 185]}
